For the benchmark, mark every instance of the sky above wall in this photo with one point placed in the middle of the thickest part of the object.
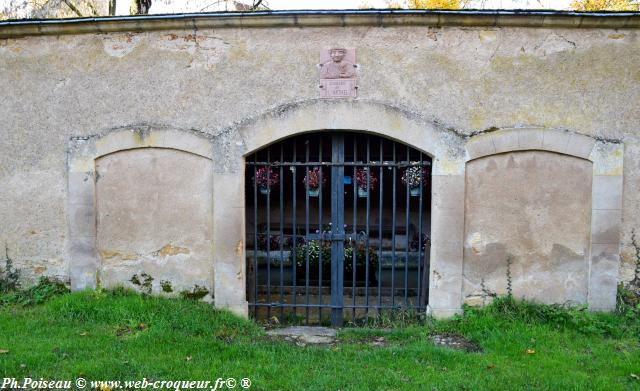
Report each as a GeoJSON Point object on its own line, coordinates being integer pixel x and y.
{"type": "Point", "coordinates": [187, 6]}
{"type": "Point", "coordinates": [164, 6]}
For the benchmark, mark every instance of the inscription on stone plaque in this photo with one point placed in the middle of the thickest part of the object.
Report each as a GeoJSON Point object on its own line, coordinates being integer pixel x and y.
{"type": "Point", "coordinates": [338, 73]}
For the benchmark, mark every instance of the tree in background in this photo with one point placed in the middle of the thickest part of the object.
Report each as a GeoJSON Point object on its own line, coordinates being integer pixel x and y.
{"type": "Point", "coordinates": [438, 4]}
{"type": "Point", "coordinates": [605, 5]}
{"type": "Point", "coordinates": [429, 4]}
{"type": "Point", "coordinates": [139, 7]}
{"type": "Point", "coordinates": [40, 9]}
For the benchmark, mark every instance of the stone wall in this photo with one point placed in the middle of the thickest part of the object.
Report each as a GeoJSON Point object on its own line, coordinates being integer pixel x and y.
{"type": "Point", "coordinates": [154, 214]}
{"type": "Point", "coordinates": [240, 88]}
{"type": "Point", "coordinates": [527, 223]}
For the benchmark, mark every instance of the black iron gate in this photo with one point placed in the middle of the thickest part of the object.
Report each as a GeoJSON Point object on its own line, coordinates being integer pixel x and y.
{"type": "Point", "coordinates": [337, 225]}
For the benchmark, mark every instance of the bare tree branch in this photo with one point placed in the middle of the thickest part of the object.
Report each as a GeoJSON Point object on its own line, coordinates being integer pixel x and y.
{"type": "Point", "coordinates": [73, 7]}
{"type": "Point", "coordinates": [256, 4]}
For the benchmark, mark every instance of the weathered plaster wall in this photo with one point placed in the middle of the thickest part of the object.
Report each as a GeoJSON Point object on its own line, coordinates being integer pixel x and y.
{"type": "Point", "coordinates": [465, 79]}
{"type": "Point", "coordinates": [527, 214]}
{"type": "Point", "coordinates": [154, 215]}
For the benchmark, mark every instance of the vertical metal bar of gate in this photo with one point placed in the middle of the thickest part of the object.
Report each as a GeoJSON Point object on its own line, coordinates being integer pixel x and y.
{"type": "Point", "coordinates": [337, 230]}
{"type": "Point", "coordinates": [294, 233]}
{"type": "Point", "coordinates": [366, 284]}
{"type": "Point", "coordinates": [406, 232]}
{"type": "Point", "coordinates": [320, 228]}
{"type": "Point", "coordinates": [255, 236]}
{"type": "Point", "coordinates": [268, 233]}
{"type": "Point", "coordinates": [380, 228]}
{"type": "Point", "coordinates": [306, 227]}
{"type": "Point", "coordinates": [393, 231]}
{"type": "Point", "coordinates": [420, 244]}
{"type": "Point", "coordinates": [281, 238]}
{"type": "Point", "coordinates": [354, 245]}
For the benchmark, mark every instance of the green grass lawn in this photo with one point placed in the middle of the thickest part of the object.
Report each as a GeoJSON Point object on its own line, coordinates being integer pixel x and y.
{"type": "Point", "coordinates": [113, 335]}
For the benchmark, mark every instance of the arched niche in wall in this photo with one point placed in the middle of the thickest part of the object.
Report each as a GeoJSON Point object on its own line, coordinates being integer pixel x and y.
{"type": "Point", "coordinates": [140, 201]}
{"type": "Point", "coordinates": [542, 217]}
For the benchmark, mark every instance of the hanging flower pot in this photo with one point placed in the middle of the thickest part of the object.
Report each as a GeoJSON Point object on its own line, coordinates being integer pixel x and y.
{"type": "Point", "coordinates": [312, 181]}
{"type": "Point", "coordinates": [415, 177]}
{"type": "Point", "coordinates": [362, 174]}
{"type": "Point", "coordinates": [265, 178]}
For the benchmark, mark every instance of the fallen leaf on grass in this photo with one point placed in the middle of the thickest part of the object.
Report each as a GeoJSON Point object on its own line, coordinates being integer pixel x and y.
{"type": "Point", "coordinates": [4, 351]}
{"type": "Point", "coordinates": [84, 334]}
{"type": "Point", "coordinates": [531, 351]}
{"type": "Point", "coordinates": [189, 358]}
{"type": "Point", "coordinates": [491, 366]}
{"type": "Point", "coordinates": [634, 376]}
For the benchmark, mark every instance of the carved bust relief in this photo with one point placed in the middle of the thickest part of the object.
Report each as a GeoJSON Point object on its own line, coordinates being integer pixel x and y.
{"type": "Point", "coordinates": [338, 67]}
{"type": "Point", "coordinates": [338, 73]}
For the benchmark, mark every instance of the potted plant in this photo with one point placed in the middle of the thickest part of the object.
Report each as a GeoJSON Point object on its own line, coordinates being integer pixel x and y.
{"type": "Point", "coordinates": [360, 251]}
{"type": "Point", "coordinates": [312, 181]}
{"type": "Point", "coordinates": [317, 249]}
{"type": "Point", "coordinates": [314, 248]}
{"type": "Point", "coordinates": [265, 178]}
{"type": "Point", "coordinates": [361, 181]}
{"type": "Point", "coordinates": [415, 177]}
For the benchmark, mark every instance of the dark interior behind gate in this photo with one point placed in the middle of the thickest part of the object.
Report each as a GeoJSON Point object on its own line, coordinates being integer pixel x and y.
{"type": "Point", "coordinates": [338, 227]}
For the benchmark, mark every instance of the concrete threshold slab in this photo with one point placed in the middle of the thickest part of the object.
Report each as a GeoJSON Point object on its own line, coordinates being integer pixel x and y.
{"type": "Point", "coordinates": [305, 334]}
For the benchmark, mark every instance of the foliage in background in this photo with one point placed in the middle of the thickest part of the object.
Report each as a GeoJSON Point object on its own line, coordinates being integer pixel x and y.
{"type": "Point", "coordinates": [429, 4]}
{"type": "Point", "coordinates": [605, 5]}
{"type": "Point", "coordinates": [438, 4]}
{"type": "Point", "coordinates": [41, 9]}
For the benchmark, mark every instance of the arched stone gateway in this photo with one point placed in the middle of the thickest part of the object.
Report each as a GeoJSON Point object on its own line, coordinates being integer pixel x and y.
{"type": "Point", "coordinates": [454, 272]}
{"type": "Point", "coordinates": [445, 148]}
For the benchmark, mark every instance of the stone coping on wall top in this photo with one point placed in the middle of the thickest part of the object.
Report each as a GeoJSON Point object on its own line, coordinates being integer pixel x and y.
{"type": "Point", "coordinates": [322, 18]}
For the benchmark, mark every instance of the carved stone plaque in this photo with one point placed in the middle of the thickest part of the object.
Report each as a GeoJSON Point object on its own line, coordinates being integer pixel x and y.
{"type": "Point", "coordinates": [338, 73]}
